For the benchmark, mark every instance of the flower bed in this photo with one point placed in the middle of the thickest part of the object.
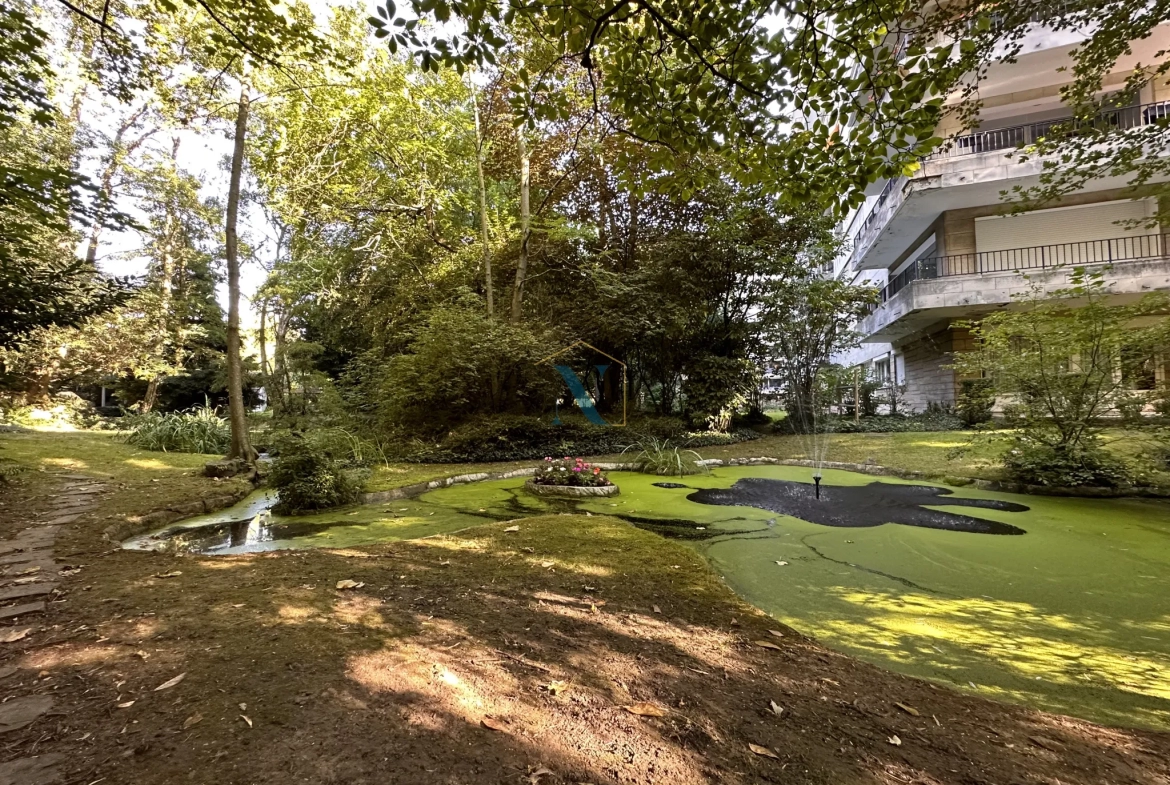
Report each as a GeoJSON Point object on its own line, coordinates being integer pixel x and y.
{"type": "Point", "coordinates": [570, 477]}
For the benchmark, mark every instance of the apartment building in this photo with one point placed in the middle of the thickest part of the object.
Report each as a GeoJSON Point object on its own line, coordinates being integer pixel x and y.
{"type": "Point", "coordinates": [942, 248]}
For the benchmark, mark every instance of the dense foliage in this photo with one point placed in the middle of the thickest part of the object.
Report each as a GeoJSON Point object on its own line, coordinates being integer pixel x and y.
{"type": "Point", "coordinates": [308, 475]}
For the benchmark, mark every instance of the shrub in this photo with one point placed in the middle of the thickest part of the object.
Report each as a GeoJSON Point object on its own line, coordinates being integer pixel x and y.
{"type": "Point", "coordinates": [308, 477]}
{"type": "Point", "coordinates": [570, 471]}
{"type": "Point", "coordinates": [1036, 463]}
{"type": "Point", "coordinates": [521, 438]}
{"type": "Point", "coordinates": [886, 423]}
{"type": "Point", "coordinates": [663, 458]}
{"type": "Point", "coordinates": [198, 430]}
{"type": "Point", "coordinates": [976, 399]}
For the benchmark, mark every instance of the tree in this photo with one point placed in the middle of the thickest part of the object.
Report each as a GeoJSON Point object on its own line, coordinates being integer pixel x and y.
{"type": "Point", "coordinates": [819, 98]}
{"type": "Point", "coordinates": [808, 318]}
{"type": "Point", "coordinates": [41, 283]}
{"type": "Point", "coordinates": [1063, 360]}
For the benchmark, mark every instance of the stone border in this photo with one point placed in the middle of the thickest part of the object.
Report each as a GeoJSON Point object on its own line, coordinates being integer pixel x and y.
{"type": "Point", "coordinates": [156, 519]}
{"type": "Point", "coordinates": [571, 491]}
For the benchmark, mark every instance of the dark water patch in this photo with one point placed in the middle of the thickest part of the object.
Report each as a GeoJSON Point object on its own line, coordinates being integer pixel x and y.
{"type": "Point", "coordinates": [860, 506]}
{"type": "Point", "coordinates": [669, 485]}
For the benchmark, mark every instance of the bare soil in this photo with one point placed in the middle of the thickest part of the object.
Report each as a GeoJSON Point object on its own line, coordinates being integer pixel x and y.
{"type": "Point", "coordinates": [576, 649]}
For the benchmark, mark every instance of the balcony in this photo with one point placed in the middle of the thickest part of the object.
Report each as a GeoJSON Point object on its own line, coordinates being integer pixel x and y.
{"type": "Point", "coordinates": [967, 285]}
{"type": "Point", "coordinates": [971, 170]}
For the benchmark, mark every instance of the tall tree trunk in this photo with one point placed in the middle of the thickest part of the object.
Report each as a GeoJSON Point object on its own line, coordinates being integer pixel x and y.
{"type": "Point", "coordinates": [483, 214]}
{"type": "Point", "coordinates": [525, 230]}
{"type": "Point", "coordinates": [238, 416]}
{"type": "Point", "coordinates": [151, 394]}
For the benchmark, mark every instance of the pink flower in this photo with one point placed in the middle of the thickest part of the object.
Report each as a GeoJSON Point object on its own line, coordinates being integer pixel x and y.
{"type": "Point", "coordinates": [576, 468]}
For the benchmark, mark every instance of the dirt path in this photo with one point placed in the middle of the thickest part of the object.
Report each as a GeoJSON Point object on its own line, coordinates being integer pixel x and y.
{"type": "Point", "coordinates": [575, 649]}
{"type": "Point", "coordinates": [29, 580]}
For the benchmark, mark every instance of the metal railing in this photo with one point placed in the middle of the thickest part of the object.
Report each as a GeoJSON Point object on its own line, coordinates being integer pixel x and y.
{"type": "Point", "coordinates": [877, 216]}
{"type": "Point", "coordinates": [1016, 136]}
{"type": "Point", "coordinates": [1038, 257]}
{"type": "Point", "coordinates": [1012, 137]}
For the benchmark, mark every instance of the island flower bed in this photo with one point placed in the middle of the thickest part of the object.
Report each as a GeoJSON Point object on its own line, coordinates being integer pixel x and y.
{"type": "Point", "coordinates": [570, 477]}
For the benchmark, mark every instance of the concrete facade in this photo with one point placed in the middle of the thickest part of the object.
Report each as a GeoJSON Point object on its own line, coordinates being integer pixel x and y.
{"type": "Point", "coordinates": [919, 236]}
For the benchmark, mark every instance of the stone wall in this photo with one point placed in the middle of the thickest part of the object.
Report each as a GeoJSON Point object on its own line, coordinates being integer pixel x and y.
{"type": "Point", "coordinates": [928, 380]}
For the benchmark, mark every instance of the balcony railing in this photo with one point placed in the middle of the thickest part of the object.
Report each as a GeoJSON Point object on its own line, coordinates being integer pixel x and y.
{"type": "Point", "coordinates": [887, 201]}
{"type": "Point", "coordinates": [1013, 137]}
{"type": "Point", "coordinates": [1016, 136]}
{"type": "Point", "coordinates": [1038, 257]}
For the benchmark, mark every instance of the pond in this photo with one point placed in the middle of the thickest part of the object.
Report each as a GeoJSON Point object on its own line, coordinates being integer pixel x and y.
{"type": "Point", "coordinates": [1070, 611]}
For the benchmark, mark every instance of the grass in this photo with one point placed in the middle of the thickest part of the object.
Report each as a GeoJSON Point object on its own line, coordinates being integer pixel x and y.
{"type": "Point", "coordinates": [144, 480]}
{"type": "Point", "coordinates": [659, 456]}
{"type": "Point", "coordinates": [199, 431]}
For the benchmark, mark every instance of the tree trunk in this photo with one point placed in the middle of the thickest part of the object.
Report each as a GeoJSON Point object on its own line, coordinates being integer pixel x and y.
{"type": "Point", "coordinates": [483, 213]}
{"type": "Point", "coordinates": [151, 394]}
{"type": "Point", "coordinates": [525, 225]}
{"type": "Point", "coordinates": [238, 416]}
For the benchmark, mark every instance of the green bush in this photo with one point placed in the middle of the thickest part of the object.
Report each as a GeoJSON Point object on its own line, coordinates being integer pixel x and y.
{"type": "Point", "coordinates": [307, 476]}
{"type": "Point", "coordinates": [1035, 463]}
{"type": "Point", "coordinates": [660, 457]}
{"type": "Point", "coordinates": [976, 399]}
{"type": "Point", "coordinates": [521, 438]}
{"type": "Point", "coordinates": [885, 423]}
{"type": "Point", "coordinates": [198, 430]}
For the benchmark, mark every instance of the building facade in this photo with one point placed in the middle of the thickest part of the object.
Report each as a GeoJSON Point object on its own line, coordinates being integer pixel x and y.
{"type": "Point", "coordinates": [943, 249]}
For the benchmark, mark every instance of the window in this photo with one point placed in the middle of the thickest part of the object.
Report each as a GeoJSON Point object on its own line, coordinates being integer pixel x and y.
{"type": "Point", "coordinates": [881, 371]}
{"type": "Point", "coordinates": [1139, 369]}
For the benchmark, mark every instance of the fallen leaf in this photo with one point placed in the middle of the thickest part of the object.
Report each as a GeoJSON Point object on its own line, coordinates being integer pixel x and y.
{"type": "Point", "coordinates": [556, 687]}
{"type": "Point", "coordinates": [125, 705]}
{"type": "Point", "coordinates": [246, 719]}
{"type": "Point", "coordinates": [547, 564]}
{"type": "Point", "coordinates": [777, 633]}
{"type": "Point", "coordinates": [171, 574]}
{"type": "Point", "coordinates": [913, 712]}
{"type": "Point", "coordinates": [529, 550]}
{"type": "Point", "coordinates": [145, 655]}
{"type": "Point", "coordinates": [243, 707]}
{"type": "Point", "coordinates": [645, 710]}
{"type": "Point", "coordinates": [776, 708]}
{"type": "Point", "coordinates": [767, 753]}
{"type": "Point", "coordinates": [782, 563]}
{"type": "Point", "coordinates": [192, 721]}
{"type": "Point", "coordinates": [767, 645]}
{"type": "Point", "coordinates": [348, 584]}
{"type": "Point", "coordinates": [534, 777]}
{"type": "Point", "coordinates": [512, 529]}
{"type": "Point", "coordinates": [495, 725]}
{"type": "Point", "coordinates": [657, 609]}
{"type": "Point", "coordinates": [895, 741]}
{"type": "Point", "coordinates": [14, 634]}
{"type": "Point", "coordinates": [166, 685]}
